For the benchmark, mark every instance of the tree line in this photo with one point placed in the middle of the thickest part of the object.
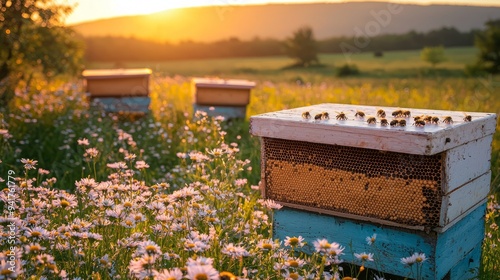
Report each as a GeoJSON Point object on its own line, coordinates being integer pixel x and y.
{"type": "Point", "coordinates": [117, 49]}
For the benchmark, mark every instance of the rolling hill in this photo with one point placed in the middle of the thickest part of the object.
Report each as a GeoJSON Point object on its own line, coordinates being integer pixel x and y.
{"type": "Point", "coordinates": [213, 23]}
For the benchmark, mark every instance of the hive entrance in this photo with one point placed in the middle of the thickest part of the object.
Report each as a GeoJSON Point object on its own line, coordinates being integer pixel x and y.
{"type": "Point", "coordinates": [397, 187]}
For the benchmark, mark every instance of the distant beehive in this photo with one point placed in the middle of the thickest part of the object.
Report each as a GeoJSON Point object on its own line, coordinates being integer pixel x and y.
{"type": "Point", "coordinates": [119, 89]}
{"type": "Point", "coordinates": [422, 176]}
{"type": "Point", "coordinates": [228, 98]}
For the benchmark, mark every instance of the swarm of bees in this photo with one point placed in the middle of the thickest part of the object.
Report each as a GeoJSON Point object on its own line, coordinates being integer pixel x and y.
{"type": "Point", "coordinates": [399, 115]}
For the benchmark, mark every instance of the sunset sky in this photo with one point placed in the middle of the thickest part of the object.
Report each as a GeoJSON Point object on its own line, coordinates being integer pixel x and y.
{"type": "Point", "coordinates": [87, 10]}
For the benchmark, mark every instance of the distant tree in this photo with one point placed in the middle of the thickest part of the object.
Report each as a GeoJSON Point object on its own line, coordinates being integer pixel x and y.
{"type": "Point", "coordinates": [488, 43]}
{"type": "Point", "coordinates": [302, 47]}
{"type": "Point", "coordinates": [433, 55]}
{"type": "Point", "coordinates": [34, 41]}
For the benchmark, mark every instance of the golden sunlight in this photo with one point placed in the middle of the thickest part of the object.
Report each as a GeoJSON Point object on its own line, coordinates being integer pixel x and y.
{"type": "Point", "coordinates": [146, 7]}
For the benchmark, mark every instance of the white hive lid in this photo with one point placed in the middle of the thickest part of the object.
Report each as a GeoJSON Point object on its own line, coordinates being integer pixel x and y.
{"type": "Point", "coordinates": [356, 132]}
{"type": "Point", "coordinates": [221, 83]}
{"type": "Point", "coordinates": [115, 73]}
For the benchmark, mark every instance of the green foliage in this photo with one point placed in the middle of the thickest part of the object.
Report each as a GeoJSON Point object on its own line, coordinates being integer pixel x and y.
{"type": "Point", "coordinates": [347, 70]}
{"type": "Point", "coordinates": [302, 47]}
{"type": "Point", "coordinates": [488, 43]}
{"type": "Point", "coordinates": [433, 55]}
{"type": "Point", "coordinates": [34, 42]}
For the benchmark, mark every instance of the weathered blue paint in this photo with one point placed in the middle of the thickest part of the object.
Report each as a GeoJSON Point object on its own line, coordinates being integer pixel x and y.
{"type": "Point", "coordinates": [444, 250]}
{"type": "Point", "coordinates": [124, 104]}
{"type": "Point", "coordinates": [228, 112]}
{"type": "Point", "coordinates": [468, 267]}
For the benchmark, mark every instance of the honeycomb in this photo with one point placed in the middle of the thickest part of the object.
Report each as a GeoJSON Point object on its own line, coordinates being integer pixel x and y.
{"type": "Point", "coordinates": [397, 187]}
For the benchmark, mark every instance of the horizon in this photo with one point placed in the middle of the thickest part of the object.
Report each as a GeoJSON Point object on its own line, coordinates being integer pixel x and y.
{"type": "Point", "coordinates": [92, 10]}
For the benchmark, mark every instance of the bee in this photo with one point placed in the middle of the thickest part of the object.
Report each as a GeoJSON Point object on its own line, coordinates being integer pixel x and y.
{"type": "Point", "coordinates": [341, 116]}
{"type": "Point", "coordinates": [416, 118]}
{"type": "Point", "coordinates": [325, 116]}
{"type": "Point", "coordinates": [419, 123]}
{"type": "Point", "coordinates": [394, 123]}
{"type": "Point", "coordinates": [406, 113]}
{"type": "Point", "coordinates": [306, 115]}
{"type": "Point", "coordinates": [435, 120]}
{"type": "Point", "coordinates": [384, 122]}
{"type": "Point", "coordinates": [467, 118]}
{"type": "Point", "coordinates": [448, 120]}
{"type": "Point", "coordinates": [397, 113]}
{"type": "Point", "coordinates": [360, 114]}
{"type": "Point", "coordinates": [402, 123]}
{"type": "Point", "coordinates": [427, 119]}
{"type": "Point", "coordinates": [371, 120]}
{"type": "Point", "coordinates": [318, 117]}
{"type": "Point", "coordinates": [381, 113]}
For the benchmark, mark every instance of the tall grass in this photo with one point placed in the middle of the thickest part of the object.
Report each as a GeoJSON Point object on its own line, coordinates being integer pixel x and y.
{"type": "Point", "coordinates": [216, 163]}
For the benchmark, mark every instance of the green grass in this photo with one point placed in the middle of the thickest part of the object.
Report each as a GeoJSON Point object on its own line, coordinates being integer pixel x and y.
{"type": "Point", "coordinates": [46, 125]}
{"type": "Point", "coordinates": [395, 63]}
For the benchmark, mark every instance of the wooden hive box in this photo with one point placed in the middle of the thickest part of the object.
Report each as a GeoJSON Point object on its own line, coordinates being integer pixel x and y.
{"type": "Point", "coordinates": [119, 89]}
{"type": "Point", "coordinates": [228, 98]}
{"type": "Point", "coordinates": [421, 182]}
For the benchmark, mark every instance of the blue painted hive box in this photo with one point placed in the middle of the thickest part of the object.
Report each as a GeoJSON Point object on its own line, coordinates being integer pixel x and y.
{"type": "Point", "coordinates": [119, 90]}
{"type": "Point", "coordinates": [228, 98]}
{"type": "Point", "coordinates": [418, 175]}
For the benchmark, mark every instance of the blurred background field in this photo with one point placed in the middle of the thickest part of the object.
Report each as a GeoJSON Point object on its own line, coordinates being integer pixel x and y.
{"type": "Point", "coordinates": [391, 64]}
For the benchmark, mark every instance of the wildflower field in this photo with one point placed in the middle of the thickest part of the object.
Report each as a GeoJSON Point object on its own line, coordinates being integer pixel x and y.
{"type": "Point", "coordinates": [174, 194]}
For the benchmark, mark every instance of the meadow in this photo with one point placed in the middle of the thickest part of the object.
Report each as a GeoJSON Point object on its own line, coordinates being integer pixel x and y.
{"type": "Point", "coordinates": [99, 196]}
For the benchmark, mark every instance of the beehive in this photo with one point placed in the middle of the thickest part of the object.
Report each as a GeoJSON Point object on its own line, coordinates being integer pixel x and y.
{"type": "Point", "coordinates": [119, 89]}
{"type": "Point", "coordinates": [420, 187]}
{"type": "Point", "coordinates": [228, 98]}
{"type": "Point", "coordinates": [418, 177]}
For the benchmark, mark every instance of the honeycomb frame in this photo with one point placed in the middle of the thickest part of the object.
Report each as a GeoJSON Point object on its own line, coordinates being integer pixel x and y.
{"type": "Point", "coordinates": [388, 187]}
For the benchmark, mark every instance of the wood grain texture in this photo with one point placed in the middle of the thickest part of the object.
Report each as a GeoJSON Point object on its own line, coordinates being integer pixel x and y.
{"type": "Point", "coordinates": [228, 112]}
{"type": "Point", "coordinates": [458, 202]}
{"type": "Point", "coordinates": [468, 267]}
{"type": "Point", "coordinates": [467, 162]}
{"type": "Point", "coordinates": [445, 251]}
{"type": "Point", "coordinates": [356, 132]}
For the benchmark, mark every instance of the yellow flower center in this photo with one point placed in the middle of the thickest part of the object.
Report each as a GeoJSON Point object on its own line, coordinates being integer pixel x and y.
{"type": "Point", "coordinates": [150, 249]}
{"type": "Point", "coordinates": [190, 245]}
{"type": "Point", "coordinates": [103, 262]}
{"type": "Point", "coordinates": [294, 241]}
{"type": "Point", "coordinates": [201, 276]}
{"type": "Point", "coordinates": [64, 203]}
{"type": "Point", "coordinates": [128, 222]}
{"type": "Point", "coordinates": [267, 246]}
{"type": "Point", "coordinates": [419, 259]}
{"type": "Point", "coordinates": [137, 217]}
{"type": "Point", "coordinates": [127, 204]}
{"type": "Point", "coordinates": [5, 272]}
{"type": "Point", "coordinates": [35, 248]}
{"type": "Point", "coordinates": [294, 275]}
{"type": "Point", "coordinates": [36, 233]}
{"type": "Point", "coordinates": [225, 275]}
{"type": "Point", "coordinates": [294, 263]}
